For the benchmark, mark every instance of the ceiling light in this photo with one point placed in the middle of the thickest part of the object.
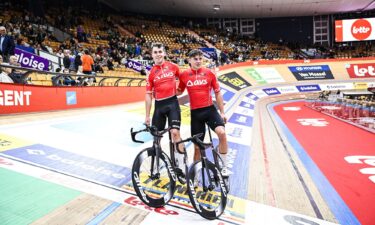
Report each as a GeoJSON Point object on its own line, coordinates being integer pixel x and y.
{"type": "Point", "coordinates": [216, 7]}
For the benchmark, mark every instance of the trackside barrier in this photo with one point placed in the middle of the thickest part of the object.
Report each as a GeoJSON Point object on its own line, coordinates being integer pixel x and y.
{"type": "Point", "coordinates": [16, 98]}
{"type": "Point", "coordinates": [356, 112]}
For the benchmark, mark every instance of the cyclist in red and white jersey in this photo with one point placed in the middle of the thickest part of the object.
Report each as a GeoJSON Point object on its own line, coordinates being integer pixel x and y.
{"type": "Point", "coordinates": [161, 84]}
{"type": "Point", "coordinates": [199, 82]}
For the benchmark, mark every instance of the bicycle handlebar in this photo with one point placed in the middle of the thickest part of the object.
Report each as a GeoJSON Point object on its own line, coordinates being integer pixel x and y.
{"type": "Point", "coordinates": [151, 129]}
{"type": "Point", "coordinates": [195, 139]}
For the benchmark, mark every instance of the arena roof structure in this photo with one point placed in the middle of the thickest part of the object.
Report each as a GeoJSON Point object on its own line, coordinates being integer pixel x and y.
{"type": "Point", "coordinates": [241, 8]}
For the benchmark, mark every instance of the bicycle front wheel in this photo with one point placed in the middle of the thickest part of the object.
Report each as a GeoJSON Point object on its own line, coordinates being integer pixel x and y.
{"type": "Point", "coordinates": [154, 186]}
{"type": "Point", "coordinates": [207, 191]}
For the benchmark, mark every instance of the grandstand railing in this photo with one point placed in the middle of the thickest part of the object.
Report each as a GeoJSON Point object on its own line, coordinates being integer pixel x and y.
{"type": "Point", "coordinates": [29, 76]}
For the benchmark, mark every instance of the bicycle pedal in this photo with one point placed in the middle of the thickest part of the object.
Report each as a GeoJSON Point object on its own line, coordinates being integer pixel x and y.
{"type": "Point", "coordinates": [180, 175]}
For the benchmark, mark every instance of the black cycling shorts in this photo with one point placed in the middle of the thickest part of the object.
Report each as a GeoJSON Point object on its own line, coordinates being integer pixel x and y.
{"type": "Point", "coordinates": [201, 116]}
{"type": "Point", "coordinates": [167, 108]}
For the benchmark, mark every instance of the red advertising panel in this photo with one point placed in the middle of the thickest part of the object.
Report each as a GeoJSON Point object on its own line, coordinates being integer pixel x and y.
{"type": "Point", "coordinates": [363, 70]}
{"type": "Point", "coordinates": [355, 30]}
{"type": "Point", "coordinates": [26, 98]}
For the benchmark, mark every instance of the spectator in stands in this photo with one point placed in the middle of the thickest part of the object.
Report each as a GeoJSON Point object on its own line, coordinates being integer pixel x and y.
{"type": "Point", "coordinates": [6, 44]}
{"type": "Point", "coordinates": [144, 71]}
{"type": "Point", "coordinates": [4, 77]}
{"type": "Point", "coordinates": [77, 61]}
{"type": "Point", "coordinates": [87, 62]}
{"type": "Point", "coordinates": [66, 59]}
{"type": "Point", "coordinates": [110, 63]}
{"type": "Point", "coordinates": [16, 75]}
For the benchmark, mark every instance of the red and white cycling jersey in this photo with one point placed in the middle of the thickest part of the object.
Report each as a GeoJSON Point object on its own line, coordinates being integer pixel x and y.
{"type": "Point", "coordinates": [199, 84]}
{"type": "Point", "coordinates": [162, 80]}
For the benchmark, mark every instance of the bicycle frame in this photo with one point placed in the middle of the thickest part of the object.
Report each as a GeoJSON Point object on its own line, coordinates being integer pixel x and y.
{"type": "Point", "coordinates": [204, 159]}
{"type": "Point", "coordinates": [157, 135]}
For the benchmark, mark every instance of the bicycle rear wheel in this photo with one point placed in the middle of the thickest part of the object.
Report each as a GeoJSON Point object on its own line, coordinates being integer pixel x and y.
{"type": "Point", "coordinates": [154, 189]}
{"type": "Point", "coordinates": [208, 198]}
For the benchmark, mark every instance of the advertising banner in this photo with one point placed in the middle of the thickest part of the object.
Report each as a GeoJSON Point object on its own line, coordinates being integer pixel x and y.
{"type": "Point", "coordinates": [30, 98]}
{"type": "Point", "coordinates": [265, 75]}
{"type": "Point", "coordinates": [354, 30]}
{"type": "Point", "coordinates": [337, 86]}
{"type": "Point", "coordinates": [234, 80]}
{"type": "Point", "coordinates": [29, 60]}
{"type": "Point", "coordinates": [134, 65]}
{"type": "Point", "coordinates": [363, 70]}
{"type": "Point", "coordinates": [315, 72]}
{"type": "Point", "coordinates": [271, 91]}
{"type": "Point", "coordinates": [307, 88]}
{"type": "Point", "coordinates": [287, 89]}
{"type": "Point", "coordinates": [209, 53]}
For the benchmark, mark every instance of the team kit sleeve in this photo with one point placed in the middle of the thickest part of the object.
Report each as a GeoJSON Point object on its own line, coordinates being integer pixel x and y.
{"type": "Point", "coordinates": [150, 83]}
{"type": "Point", "coordinates": [177, 73]}
{"type": "Point", "coordinates": [215, 82]}
{"type": "Point", "coordinates": [181, 85]}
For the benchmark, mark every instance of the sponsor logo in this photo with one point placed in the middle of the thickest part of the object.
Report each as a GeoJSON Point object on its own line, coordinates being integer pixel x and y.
{"type": "Point", "coordinates": [169, 167]}
{"type": "Point", "coordinates": [361, 70]}
{"type": "Point", "coordinates": [164, 75]}
{"type": "Point", "coordinates": [310, 68]}
{"type": "Point", "coordinates": [78, 164]}
{"type": "Point", "coordinates": [30, 62]}
{"type": "Point", "coordinates": [289, 89]}
{"type": "Point", "coordinates": [68, 162]}
{"type": "Point", "coordinates": [362, 159]}
{"type": "Point", "coordinates": [14, 98]}
{"type": "Point", "coordinates": [192, 191]}
{"type": "Point", "coordinates": [138, 183]}
{"type": "Point", "coordinates": [292, 108]}
{"type": "Point", "coordinates": [311, 72]}
{"type": "Point", "coordinates": [306, 88]}
{"type": "Point", "coordinates": [336, 86]}
{"type": "Point", "coordinates": [196, 83]}
{"type": "Point", "coordinates": [231, 157]}
{"type": "Point", "coordinates": [221, 182]}
{"type": "Point", "coordinates": [241, 119]}
{"type": "Point", "coordinates": [361, 29]}
{"type": "Point", "coordinates": [137, 66]}
{"type": "Point", "coordinates": [234, 80]}
{"type": "Point", "coordinates": [318, 122]}
{"type": "Point", "coordinates": [271, 91]}
{"type": "Point", "coordinates": [4, 143]}
{"type": "Point", "coordinates": [162, 210]}
{"type": "Point", "coordinates": [71, 98]}
{"type": "Point", "coordinates": [360, 85]}
{"type": "Point", "coordinates": [236, 132]}
{"type": "Point", "coordinates": [5, 162]}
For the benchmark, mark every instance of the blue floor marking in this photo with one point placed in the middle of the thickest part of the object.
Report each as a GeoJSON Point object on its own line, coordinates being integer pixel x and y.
{"type": "Point", "coordinates": [104, 214]}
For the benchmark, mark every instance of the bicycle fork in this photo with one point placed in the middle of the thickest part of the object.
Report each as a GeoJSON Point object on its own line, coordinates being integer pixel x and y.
{"type": "Point", "coordinates": [155, 159]}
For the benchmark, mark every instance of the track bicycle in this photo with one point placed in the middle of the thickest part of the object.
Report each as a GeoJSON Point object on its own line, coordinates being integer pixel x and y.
{"type": "Point", "coordinates": [207, 188]}
{"type": "Point", "coordinates": [154, 175]}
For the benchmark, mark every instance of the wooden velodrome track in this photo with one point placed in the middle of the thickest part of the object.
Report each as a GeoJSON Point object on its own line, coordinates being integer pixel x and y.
{"type": "Point", "coordinates": [277, 177]}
